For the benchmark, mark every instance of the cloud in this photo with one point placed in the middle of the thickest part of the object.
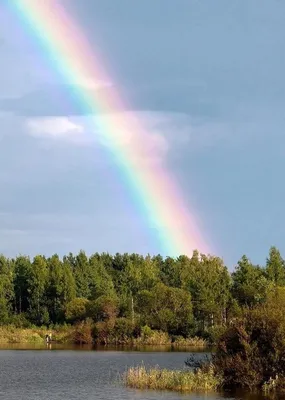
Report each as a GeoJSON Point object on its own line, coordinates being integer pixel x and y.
{"type": "Point", "coordinates": [154, 137]}
{"type": "Point", "coordinates": [157, 136]}
{"type": "Point", "coordinates": [61, 99]}
{"type": "Point", "coordinates": [58, 128]}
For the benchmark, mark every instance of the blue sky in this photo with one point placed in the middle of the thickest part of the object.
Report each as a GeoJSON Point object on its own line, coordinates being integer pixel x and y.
{"type": "Point", "coordinates": [207, 77]}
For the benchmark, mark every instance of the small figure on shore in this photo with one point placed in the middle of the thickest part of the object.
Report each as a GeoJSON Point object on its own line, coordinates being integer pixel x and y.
{"type": "Point", "coordinates": [48, 338]}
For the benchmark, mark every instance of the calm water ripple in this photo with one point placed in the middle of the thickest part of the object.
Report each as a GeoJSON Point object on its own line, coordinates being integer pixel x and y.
{"type": "Point", "coordinates": [69, 374]}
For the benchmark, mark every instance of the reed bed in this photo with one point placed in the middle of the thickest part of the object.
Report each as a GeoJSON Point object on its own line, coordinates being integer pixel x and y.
{"type": "Point", "coordinates": [154, 338]}
{"type": "Point", "coordinates": [181, 380]}
{"type": "Point", "coordinates": [10, 334]}
{"type": "Point", "coordinates": [191, 342]}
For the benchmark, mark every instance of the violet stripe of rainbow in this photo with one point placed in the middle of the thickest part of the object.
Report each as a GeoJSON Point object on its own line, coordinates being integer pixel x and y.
{"type": "Point", "coordinates": [157, 197]}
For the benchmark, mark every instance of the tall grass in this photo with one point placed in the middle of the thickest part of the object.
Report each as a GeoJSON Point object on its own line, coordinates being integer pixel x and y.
{"type": "Point", "coordinates": [162, 379]}
{"type": "Point", "coordinates": [153, 338]}
{"type": "Point", "coordinates": [10, 334]}
{"type": "Point", "coordinates": [191, 342]}
{"type": "Point", "coordinates": [34, 335]}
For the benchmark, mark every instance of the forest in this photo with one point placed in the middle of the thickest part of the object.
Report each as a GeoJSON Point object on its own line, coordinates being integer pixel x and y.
{"type": "Point", "coordinates": [130, 294]}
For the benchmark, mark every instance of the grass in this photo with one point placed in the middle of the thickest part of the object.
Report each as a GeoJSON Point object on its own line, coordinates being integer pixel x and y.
{"type": "Point", "coordinates": [162, 379]}
{"type": "Point", "coordinates": [190, 342]}
{"type": "Point", "coordinates": [34, 335]}
{"type": "Point", "coordinates": [10, 334]}
{"type": "Point", "coordinates": [154, 338]}
{"type": "Point", "coordinates": [67, 334]}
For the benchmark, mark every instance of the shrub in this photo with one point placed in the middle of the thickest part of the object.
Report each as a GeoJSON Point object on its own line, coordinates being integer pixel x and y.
{"type": "Point", "coordinates": [252, 351]}
{"type": "Point", "coordinates": [76, 309]}
{"type": "Point", "coordinates": [213, 334]}
{"type": "Point", "coordinates": [83, 332]}
{"type": "Point", "coordinates": [122, 331]}
{"type": "Point", "coordinates": [152, 337]}
{"type": "Point", "coordinates": [104, 308]}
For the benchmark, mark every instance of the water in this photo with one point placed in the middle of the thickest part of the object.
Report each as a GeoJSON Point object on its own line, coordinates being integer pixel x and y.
{"type": "Point", "coordinates": [41, 373]}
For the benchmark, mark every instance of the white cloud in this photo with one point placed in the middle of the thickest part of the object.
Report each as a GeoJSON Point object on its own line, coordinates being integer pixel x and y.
{"type": "Point", "coordinates": [55, 128]}
{"type": "Point", "coordinates": [148, 136]}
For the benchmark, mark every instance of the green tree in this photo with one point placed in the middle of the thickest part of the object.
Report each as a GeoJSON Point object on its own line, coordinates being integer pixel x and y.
{"type": "Point", "coordinates": [275, 268]}
{"type": "Point", "coordinates": [165, 308]}
{"type": "Point", "coordinates": [6, 288]}
{"type": "Point", "coordinates": [76, 310]}
{"type": "Point", "coordinates": [82, 275]}
{"type": "Point", "coordinates": [101, 282]}
{"type": "Point", "coordinates": [22, 271]}
{"type": "Point", "coordinates": [37, 283]}
{"type": "Point", "coordinates": [208, 281]}
{"type": "Point", "coordinates": [61, 288]}
{"type": "Point", "coordinates": [249, 283]}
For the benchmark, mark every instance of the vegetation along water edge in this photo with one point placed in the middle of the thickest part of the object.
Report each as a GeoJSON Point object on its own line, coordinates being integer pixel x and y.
{"type": "Point", "coordinates": [134, 299]}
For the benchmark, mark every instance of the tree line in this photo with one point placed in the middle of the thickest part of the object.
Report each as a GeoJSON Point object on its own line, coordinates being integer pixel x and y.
{"type": "Point", "coordinates": [181, 296]}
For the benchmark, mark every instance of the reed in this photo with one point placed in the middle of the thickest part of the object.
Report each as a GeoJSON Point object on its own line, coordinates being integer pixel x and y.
{"type": "Point", "coordinates": [10, 334]}
{"type": "Point", "coordinates": [153, 338]}
{"type": "Point", "coordinates": [181, 380]}
{"type": "Point", "coordinates": [190, 342]}
{"type": "Point", "coordinates": [34, 335]}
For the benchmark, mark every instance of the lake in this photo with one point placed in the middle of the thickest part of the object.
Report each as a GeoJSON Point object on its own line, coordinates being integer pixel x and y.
{"type": "Point", "coordinates": [82, 373]}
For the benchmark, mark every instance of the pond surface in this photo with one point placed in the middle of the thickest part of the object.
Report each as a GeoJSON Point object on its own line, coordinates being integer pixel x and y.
{"type": "Point", "coordinates": [41, 373]}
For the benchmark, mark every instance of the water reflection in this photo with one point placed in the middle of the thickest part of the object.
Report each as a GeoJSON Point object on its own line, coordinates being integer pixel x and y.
{"type": "Point", "coordinates": [75, 372]}
{"type": "Point", "coordinates": [88, 347]}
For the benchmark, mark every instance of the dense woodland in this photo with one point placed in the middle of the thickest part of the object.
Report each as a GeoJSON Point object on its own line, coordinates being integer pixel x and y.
{"type": "Point", "coordinates": [183, 296]}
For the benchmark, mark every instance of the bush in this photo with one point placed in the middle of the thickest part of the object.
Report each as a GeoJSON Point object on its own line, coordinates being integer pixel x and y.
{"type": "Point", "coordinates": [212, 335]}
{"type": "Point", "coordinates": [152, 337]}
{"type": "Point", "coordinates": [102, 331]}
{"type": "Point", "coordinates": [19, 321]}
{"type": "Point", "coordinates": [252, 351]}
{"type": "Point", "coordinates": [76, 309]}
{"type": "Point", "coordinates": [104, 308]}
{"type": "Point", "coordinates": [122, 331]}
{"type": "Point", "coordinates": [83, 332]}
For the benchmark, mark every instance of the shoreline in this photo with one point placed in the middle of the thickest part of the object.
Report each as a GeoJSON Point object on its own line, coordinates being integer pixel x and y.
{"type": "Point", "coordinates": [68, 335]}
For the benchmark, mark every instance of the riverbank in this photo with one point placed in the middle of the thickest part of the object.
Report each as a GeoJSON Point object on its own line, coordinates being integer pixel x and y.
{"type": "Point", "coordinates": [11, 334]}
{"type": "Point", "coordinates": [83, 334]}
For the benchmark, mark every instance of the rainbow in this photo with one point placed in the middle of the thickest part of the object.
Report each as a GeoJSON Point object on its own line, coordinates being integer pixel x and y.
{"type": "Point", "coordinates": [154, 191]}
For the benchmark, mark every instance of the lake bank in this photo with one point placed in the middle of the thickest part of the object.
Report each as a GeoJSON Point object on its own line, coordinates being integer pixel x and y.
{"type": "Point", "coordinates": [82, 334]}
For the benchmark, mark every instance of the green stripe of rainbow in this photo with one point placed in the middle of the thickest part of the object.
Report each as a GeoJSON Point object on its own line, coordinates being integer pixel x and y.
{"type": "Point", "coordinates": [157, 197]}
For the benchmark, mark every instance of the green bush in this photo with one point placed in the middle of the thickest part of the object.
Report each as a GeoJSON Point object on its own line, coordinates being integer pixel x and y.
{"type": "Point", "coordinates": [213, 334]}
{"type": "Point", "coordinates": [76, 309]}
{"type": "Point", "coordinates": [83, 332]}
{"type": "Point", "coordinates": [252, 351]}
{"type": "Point", "coordinates": [123, 331]}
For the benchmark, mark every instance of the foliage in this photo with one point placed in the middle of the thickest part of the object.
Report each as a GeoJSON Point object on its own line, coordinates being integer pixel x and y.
{"type": "Point", "coordinates": [152, 337]}
{"type": "Point", "coordinates": [83, 332]}
{"type": "Point", "coordinates": [76, 309]}
{"type": "Point", "coordinates": [251, 352]}
{"type": "Point", "coordinates": [130, 297]}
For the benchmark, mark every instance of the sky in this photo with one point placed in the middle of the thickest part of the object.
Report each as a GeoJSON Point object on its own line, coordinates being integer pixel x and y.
{"type": "Point", "coordinates": [205, 77]}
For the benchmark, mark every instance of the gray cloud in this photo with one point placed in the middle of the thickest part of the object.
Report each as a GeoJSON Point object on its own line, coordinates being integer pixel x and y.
{"type": "Point", "coordinates": [58, 100]}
